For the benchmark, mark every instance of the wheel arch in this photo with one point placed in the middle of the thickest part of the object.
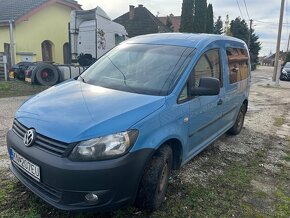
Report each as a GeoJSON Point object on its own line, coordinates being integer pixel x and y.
{"type": "Point", "coordinates": [245, 102]}
{"type": "Point", "coordinates": [177, 149]}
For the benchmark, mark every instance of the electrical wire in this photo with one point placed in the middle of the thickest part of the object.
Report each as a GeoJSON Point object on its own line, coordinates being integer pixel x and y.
{"type": "Point", "coordinates": [247, 9]}
{"type": "Point", "coordinates": [240, 9]}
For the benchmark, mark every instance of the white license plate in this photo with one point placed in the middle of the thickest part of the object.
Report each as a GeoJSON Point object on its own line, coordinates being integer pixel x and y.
{"type": "Point", "coordinates": [29, 168]}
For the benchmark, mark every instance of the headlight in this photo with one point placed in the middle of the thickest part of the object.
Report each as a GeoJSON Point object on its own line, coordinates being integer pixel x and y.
{"type": "Point", "coordinates": [284, 71]}
{"type": "Point", "coordinates": [106, 147]}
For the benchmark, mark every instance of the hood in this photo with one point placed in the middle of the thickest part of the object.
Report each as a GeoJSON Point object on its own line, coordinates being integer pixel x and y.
{"type": "Point", "coordinates": [76, 111]}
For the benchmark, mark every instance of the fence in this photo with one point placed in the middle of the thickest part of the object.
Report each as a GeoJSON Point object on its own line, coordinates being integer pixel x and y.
{"type": "Point", "coordinates": [3, 70]}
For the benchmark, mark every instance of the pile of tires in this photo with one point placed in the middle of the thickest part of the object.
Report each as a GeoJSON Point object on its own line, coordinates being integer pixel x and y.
{"type": "Point", "coordinates": [45, 74]}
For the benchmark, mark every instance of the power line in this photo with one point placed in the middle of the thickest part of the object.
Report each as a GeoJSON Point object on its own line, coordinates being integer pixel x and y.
{"type": "Point", "coordinates": [247, 9]}
{"type": "Point", "coordinates": [240, 9]}
{"type": "Point", "coordinates": [270, 23]}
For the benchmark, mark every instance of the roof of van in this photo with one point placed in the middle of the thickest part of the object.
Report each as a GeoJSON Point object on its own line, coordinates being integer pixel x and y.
{"type": "Point", "coordinates": [182, 39]}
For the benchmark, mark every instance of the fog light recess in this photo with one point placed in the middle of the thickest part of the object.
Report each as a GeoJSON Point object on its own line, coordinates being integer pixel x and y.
{"type": "Point", "coordinates": [91, 197]}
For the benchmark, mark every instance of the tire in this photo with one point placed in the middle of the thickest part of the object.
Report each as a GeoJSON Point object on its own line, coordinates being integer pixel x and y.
{"type": "Point", "coordinates": [237, 127]}
{"type": "Point", "coordinates": [283, 77]}
{"type": "Point", "coordinates": [46, 74]}
{"type": "Point", "coordinates": [154, 183]}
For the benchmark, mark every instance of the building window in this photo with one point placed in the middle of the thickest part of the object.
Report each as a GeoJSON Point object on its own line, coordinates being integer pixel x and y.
{"type": "Point", "coordinates": [238, 64]}
{"type": "Point", "coordinates": [47, 50]}
{"type": "Point", "coordinates": [66, 53]}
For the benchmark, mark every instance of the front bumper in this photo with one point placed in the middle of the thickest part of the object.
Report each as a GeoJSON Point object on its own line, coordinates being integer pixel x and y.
{"type": "Point", "coordinates": [64, 183]}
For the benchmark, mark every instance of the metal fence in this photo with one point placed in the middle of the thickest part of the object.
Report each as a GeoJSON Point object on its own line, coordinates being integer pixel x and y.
{"type": "Point", "coordinates": [3, 68]}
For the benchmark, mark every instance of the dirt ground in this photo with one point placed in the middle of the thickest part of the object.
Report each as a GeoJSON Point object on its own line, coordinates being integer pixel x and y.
{"type": "Point", "coordinates": [237, 176]}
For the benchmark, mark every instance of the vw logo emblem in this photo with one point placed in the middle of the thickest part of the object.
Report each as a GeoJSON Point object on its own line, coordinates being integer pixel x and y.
{"type": "Point", "coordinates": [29, 137]}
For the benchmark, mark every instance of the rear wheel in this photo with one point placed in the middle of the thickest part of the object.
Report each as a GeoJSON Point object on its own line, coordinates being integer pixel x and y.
{"type": "Point", "coordinates": [237, 127]}
{"type": "Point", "coordinates": [155, 180]}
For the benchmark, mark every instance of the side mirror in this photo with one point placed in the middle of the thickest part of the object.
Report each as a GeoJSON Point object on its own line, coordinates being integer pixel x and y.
{"type": "Point", "coordinates": [207, 86]}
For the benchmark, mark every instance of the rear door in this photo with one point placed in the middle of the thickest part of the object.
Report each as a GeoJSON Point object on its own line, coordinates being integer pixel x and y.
{"type": "Point", "coordinates": [236, 82]}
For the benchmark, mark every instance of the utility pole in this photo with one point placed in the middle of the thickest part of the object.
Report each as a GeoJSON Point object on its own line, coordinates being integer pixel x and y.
{"type": "Point", "coordinates": [278, 40]}
{"type": "Point", "coordinates": [288, 44]}
{"type": "Point", "coordinates": [250, 33]}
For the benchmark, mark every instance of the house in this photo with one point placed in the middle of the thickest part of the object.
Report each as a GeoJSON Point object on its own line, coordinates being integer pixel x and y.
{"type": "Point", "coordinates": [39, 29]}
{"type": "Point", "coordinates": [139, 21]}
{"type": "Point", "coordinates": [270, 59]}
{"type": "Point", "coordinates": [175, 21]}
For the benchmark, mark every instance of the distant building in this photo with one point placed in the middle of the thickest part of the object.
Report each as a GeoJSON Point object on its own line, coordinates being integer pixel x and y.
{"type": "Point", "coordinates": [175, 22]}
{"type": "Point", "coordinates": [270, 59]}
{"type": "Point", "coordinates": [40, 29]}
{"type": "Point", "coordinates": [140, 21]}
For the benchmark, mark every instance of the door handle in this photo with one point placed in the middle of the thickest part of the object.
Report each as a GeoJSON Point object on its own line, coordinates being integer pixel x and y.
{"type": "Point", "coordinates": [220, 102]}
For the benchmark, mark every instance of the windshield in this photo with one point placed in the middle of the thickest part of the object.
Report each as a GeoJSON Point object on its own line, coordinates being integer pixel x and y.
{"type": "Point", "coordinates": [140, 68]}
{"type": "Point", "coordinates": [287, 65]}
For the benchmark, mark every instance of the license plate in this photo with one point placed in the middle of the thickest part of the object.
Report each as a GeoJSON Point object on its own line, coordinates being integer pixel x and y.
{"type": "Point", "coordinates": [25, 165]}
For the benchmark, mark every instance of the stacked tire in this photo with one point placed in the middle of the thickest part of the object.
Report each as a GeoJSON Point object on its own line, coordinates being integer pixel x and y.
{"type": "Point", "coordinates": [46, 74]}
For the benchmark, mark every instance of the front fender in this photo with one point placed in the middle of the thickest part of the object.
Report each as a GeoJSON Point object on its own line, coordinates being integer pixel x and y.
{"type": "Point", "coordinates": [164, 124]}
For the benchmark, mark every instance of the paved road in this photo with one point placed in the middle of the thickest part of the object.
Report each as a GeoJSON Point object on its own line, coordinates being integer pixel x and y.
{"type": "Point", "coordinates": [263, 76]}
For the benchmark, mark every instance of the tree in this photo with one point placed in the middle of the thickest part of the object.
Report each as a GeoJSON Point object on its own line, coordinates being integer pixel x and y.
{"type": "Point", "coordinates": [287, 57]}
{"type": "Point", "coordinates": [254, 48]}
{"type": "Point", "coordinates": [169, 22]}
{"type": "Point", "coordinates": [200, 16]}
{"type": "Point", "coordinates": [239, 29]}
{"type": "Point", "coordinates": [209, 24]}
{"type": "Point", "coordinates": [218, 26]}
{"type": "Point", "coordinates": [186, 23]}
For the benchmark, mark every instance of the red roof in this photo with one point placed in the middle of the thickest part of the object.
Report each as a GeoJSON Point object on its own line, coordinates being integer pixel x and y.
{"type": "Point", "coordinates": [175, 22]}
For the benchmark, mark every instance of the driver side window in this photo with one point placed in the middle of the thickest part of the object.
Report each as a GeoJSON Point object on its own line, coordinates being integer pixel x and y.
{"type": "Point", "coordinates": [207, 66]}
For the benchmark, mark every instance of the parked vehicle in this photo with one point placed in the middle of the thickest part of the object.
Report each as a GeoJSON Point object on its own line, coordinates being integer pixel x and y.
{"type": "Point", "coordinates": [113, 135]}
{"type": "Point", "coordinates": [285, 73]}
{"type": "Point", "coordinates": [92, 34]}
{"type": "Point", "coordinates": [18, 70]}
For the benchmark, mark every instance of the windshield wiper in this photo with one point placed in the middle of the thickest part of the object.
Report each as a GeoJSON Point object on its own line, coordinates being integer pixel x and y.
{"type": "Point", "coordinates": [84, 81]}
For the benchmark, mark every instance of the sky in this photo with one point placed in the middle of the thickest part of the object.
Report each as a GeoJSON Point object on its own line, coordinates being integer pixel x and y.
{"type": "Point", "coordinates": [265, 14]}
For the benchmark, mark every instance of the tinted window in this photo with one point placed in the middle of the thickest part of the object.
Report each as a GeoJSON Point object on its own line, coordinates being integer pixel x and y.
{"type": "Point", "coordinates": [238, 64]}
{"type": "Point", "coordinates": [119, 39]}
{"type": "Point", "coordinates": [140, 68]}
{"type": "Point", "coordinates": [207, 66]}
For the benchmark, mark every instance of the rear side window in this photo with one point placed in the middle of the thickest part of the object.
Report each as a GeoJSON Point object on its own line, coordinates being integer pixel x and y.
{"type": "Point", "coordinates": [207, 66]}
{"type": "Point", "coordinates": [238, 64]}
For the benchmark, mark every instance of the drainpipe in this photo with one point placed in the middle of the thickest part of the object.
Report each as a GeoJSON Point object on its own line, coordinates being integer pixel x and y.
{"type": "Point", "coordinates": [12, 44]}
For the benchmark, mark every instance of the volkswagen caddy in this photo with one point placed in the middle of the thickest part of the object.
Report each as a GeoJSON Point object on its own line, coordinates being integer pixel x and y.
{"type": "Point", "coordinates": [112, 135]}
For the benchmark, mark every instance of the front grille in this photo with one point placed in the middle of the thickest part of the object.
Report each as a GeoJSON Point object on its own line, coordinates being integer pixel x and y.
{"type": "Point", "coordinates": [42, 142]}
{"type": "Point", "coordinates": [49, 191]}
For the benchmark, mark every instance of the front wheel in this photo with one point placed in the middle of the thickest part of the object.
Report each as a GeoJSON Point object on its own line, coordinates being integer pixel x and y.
{"type": "Point", "coordinates": [237, 127]}
{"type": "Point", "coordinates": [154, 183]}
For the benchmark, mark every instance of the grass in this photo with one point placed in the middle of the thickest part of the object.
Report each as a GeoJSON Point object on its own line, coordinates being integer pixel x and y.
{"type": "Point", "coordinates": [224, 195]}
{"type": "Point", "coordinates": [279, 121]}
{"type": "Point", "coordinates": [287, 158]}
{"type": "Point", "coordinates": [282, 206]}
{"type": "Point", "coordinates": [18, 88]}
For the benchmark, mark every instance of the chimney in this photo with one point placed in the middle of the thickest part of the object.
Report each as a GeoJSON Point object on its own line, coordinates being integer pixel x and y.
{"type": "Point", "coordinates": [131, 11]}
{"type": "Point", "coordinates": [140, 6]}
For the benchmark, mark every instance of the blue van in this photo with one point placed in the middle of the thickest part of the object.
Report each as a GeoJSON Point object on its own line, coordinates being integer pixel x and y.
{"type": "Point", "coordinates": [113, 135]}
